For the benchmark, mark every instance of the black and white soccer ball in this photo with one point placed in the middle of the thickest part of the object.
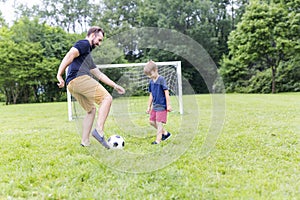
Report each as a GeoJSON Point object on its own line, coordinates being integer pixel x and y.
{"type": "Point", "coordinates": [116, 142]}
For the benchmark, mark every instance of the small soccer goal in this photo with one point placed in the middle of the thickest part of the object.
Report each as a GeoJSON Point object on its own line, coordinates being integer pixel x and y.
{"type": "Point", "coordinates": [136, 85]}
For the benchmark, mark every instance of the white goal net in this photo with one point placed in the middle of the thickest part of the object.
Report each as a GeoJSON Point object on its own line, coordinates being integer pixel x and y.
{"type": "Point", "coordinates": [136, 84]}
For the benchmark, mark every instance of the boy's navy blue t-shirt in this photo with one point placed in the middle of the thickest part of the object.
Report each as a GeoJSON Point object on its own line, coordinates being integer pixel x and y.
{"type": "Point", "coordinates": [83, 63]}
{"type": "Point", "coordinates": [157, 89]}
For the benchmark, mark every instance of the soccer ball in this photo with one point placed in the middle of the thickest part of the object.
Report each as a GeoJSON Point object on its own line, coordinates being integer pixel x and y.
{"type": "Point", "coordinates": [116, 142]}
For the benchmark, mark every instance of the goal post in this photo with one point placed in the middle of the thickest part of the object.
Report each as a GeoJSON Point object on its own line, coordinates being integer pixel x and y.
{"type": "Point", "coordinates": [133, 73]}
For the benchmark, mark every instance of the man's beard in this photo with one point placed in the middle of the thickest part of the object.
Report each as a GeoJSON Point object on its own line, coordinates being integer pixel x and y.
{"type": "Point", "coordinates": [93, 45]}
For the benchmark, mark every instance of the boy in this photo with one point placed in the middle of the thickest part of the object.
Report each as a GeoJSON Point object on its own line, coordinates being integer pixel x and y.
{"type": "Point", "coordinates": [159, 101]}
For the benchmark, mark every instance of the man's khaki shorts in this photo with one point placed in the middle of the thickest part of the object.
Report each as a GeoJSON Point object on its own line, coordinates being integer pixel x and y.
{"type": "Point", "coordinates": [87, 91]}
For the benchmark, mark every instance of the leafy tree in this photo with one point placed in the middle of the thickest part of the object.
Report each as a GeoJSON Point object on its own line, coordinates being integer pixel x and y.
{"type": "Point", "coordinates": [289, 76]}
{"type": "Point", "coordinates": [121, 14]}
{"type": "Point", "coordinates": [31, 53]}
{"type": "Point", "coordinates": [236, 10]}
{"type": "Point", "coordinates": [206, 22]}
{"type": "Point", "coordinates": [265, 39]}
{"type": "Point", "coordinates": [72, 15]}
{"type": "Point", "coordinates": [17, 69]}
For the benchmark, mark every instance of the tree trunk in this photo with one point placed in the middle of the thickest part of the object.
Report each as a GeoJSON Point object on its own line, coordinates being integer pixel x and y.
{"type": "Point", "coordinates": [273, 79]}
{"type": "Point", "coordinates": [7, 95]}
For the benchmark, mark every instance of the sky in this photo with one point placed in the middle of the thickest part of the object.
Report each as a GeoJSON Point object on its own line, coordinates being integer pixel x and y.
{"type": "Point", "coordinates": [8, 10]}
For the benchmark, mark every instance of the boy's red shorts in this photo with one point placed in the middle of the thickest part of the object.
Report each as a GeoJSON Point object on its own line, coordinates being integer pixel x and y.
{"type": "Point", "coordinates": [159, 116]}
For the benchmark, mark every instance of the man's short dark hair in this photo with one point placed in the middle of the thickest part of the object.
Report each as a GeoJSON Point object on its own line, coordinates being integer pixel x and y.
{"type": "Point", "coordinates": [96, 30]}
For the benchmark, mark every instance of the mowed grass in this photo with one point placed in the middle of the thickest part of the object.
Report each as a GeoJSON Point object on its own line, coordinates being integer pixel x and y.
{"type": "Point", "coordinates": [256, 156]}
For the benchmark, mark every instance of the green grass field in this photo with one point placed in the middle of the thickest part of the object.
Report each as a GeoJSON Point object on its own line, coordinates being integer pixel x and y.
{"type": "Point", "coordinates": [256, 156]}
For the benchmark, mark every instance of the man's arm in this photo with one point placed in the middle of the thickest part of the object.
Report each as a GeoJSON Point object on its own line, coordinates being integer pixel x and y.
{"type": "Point", "coordinates": [103, 78]}
{"type": "Point", "coordinates": [68, 59]}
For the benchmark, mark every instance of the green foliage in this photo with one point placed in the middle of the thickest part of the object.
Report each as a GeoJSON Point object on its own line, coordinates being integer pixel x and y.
{"type": "Point", "coordinates": [120, 15]}
{"type": "Point", "coordinates": [266, 38]}
{"type": "Point", "coordinates": [208, 23]}
{"type": "Point", "coordinates": [18, 62]}
{"type": "Point", "coordinates": [71, 15]}
{"type": "Point", "coordinates": [266, 41]}
{"type": "Point", "coordinates": [260, 83]}
{"type": "Point", "coordinates": [289, 76]}
{"type": "Point", "coordinates": [30, 55]}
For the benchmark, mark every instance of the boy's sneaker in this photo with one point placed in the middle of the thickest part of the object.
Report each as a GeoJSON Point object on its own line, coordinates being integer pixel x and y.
{"type": "Point", "coordinates": [165, 137]}
{"type": "Point", "coordinates": [100, 139]}
{"type": "Point", "coordinates": [154, 142]}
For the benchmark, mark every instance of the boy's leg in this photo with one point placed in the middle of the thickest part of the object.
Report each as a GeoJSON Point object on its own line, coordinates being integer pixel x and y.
{"type": "Point", "coordinates": [165, 134]}
{"type": "Point", "coordinates": [153, 123]}
{"type": "Point", "coordinates": [157, 120]}
{"type": "Point", "coordinates": [159, 133]}
{"type": "Point", "coordinates": [162, 117]}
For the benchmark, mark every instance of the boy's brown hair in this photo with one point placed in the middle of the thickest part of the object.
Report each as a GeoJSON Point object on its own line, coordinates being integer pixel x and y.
{"type": "Point", "coordinates": [149, 67]}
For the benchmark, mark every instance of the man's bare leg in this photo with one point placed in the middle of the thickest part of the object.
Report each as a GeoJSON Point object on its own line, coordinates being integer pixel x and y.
{"type": "Point", "coordinates": [87, 126]}
{"type": "Point", "coordinates": [103, 112]}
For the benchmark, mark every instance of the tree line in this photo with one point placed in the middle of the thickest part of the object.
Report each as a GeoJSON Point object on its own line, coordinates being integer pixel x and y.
{"type": "Point", "coordinates": [264, 49]}
{"type": "Point", "coordinates": [255, 44]}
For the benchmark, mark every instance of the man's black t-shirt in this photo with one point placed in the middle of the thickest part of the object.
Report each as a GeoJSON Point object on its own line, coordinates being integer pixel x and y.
{"type": "Point", "coordinates": [83, 63]}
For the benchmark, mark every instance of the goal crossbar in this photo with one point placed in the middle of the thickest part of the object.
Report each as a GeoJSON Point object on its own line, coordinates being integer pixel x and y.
{"type": "Point", "coordinates": [175, 63]}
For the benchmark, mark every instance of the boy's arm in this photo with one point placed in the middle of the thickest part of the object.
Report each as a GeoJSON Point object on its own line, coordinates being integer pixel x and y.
{"type": "Point", "coordinates": [149, 103]}
{"type": "Point", "coordinates": [169, 107]}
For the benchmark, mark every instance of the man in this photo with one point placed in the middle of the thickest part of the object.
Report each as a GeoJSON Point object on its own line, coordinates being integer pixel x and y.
{"type": "Point", "coordinates": [86, 89]}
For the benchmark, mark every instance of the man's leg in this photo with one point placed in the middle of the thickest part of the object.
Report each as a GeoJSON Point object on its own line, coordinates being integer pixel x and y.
{"type": "Point", "coordinates": [103, 112]}
{"type": "Point", "coordinates": [87, 126]}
